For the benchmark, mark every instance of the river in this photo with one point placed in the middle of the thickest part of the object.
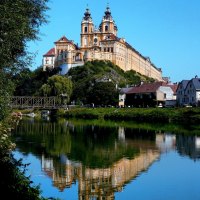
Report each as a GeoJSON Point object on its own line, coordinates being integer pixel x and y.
{"type": "Point", "coordinates": [102, 160]}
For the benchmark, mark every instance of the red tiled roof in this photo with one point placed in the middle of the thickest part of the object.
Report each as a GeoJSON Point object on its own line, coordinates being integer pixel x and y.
{"type": "Point", "coordinates": [63, 39]}
{"type": "Point", "coordinates": [146, 87]}
{"type": "Point", "coordinates": [111, 37]}
{"type": "Point", "coordinates": [173, 87]}
{"type": "Point", "coordinates": [51, 52]}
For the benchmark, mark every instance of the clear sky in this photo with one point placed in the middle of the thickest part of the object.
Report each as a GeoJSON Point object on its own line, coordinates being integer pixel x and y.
{"type": "Point", "coordinates": [167, 31]}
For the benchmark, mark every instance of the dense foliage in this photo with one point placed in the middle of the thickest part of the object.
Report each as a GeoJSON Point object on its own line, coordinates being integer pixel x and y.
{"type": "Point", "coordinates": [6, 89]}
{"type": "Point", "coordinates": [29, 82]}
{"type": "Point", "coordinates": [92, 76]}
{"type": "Point", "coordinates": [57, 85]}
{"type": "Point", "coordinates": [103, 93]}
{"type": "Point", "coordinates": [14, 183]}
{"type": "Point", "coordinates": [19, 23]}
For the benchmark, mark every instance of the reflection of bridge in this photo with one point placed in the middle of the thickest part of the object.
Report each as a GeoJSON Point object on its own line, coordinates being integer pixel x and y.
{"type": "Point", "coordinates": [37, 102]}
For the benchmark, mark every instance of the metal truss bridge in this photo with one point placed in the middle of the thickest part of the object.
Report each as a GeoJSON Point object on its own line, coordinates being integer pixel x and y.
{"type": "Point", "coordinates": [27, 102]}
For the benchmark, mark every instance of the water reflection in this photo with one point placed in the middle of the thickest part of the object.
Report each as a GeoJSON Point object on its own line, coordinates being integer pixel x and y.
{"type": "Point", "coordinates": [101, 159]}
{"type": "Point", "coordinates": [188, 146]}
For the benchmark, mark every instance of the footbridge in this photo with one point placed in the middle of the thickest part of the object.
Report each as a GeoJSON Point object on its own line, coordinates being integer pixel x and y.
{"type": "Point", "coordinates": [31, 102]}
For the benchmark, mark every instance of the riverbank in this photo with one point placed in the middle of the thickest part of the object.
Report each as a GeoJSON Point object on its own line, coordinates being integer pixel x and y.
{"type": "Point", "coordinates": [150, 115]}
{"type": "Point", "coordinates": [14, 183]}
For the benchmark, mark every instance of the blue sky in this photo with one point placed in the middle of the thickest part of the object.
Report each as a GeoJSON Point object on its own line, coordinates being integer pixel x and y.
{"type": "Point", "coordinates": [167, 31]}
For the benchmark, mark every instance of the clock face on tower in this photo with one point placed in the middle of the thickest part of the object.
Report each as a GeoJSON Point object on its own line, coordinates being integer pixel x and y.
{"type": "Point", "coordinates": [95, 40]}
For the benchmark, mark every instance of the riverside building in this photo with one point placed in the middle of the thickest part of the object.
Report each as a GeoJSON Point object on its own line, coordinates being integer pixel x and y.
{"type": "Point", "coordinates": [100, 43]}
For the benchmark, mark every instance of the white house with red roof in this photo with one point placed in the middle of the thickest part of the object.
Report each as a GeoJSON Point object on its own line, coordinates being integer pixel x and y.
{"type": "Point", "coordinates": [151, 95]}
{"type": "Point", "coordinates": [49, 59]}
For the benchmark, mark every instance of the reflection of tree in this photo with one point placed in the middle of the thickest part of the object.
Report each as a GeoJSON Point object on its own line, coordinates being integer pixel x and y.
{"type": "Point", "coordinates": [102, 159]}
{"type": "Point", "coordinates": [52, 138]}
{"type": "Point", "coordinates": [97, 146]}
{"type": "Point", "coordinates": [92, 145]}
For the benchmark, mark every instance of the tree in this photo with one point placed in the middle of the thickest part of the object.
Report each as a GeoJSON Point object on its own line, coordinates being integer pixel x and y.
{"type": "Point", "coordinates": [104, 93]}
{"type": "Point", "coordinates": [19, 22]}
{"type": "Point", "coordinates": [92, 72]}
{"type": "Point", "coordinates": [57, 85]}
{"type": "Point", "coordinates": [6, 89]}
{"type": "Point", "coordinates": [29, 82]}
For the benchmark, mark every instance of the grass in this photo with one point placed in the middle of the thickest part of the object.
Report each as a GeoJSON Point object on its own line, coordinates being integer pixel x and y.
{"type": "Point", "coordinates": [151, 115]}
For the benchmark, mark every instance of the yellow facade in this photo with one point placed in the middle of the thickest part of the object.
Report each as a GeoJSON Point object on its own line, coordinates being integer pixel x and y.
{"type": "Point", "coordinates": [102, 43]}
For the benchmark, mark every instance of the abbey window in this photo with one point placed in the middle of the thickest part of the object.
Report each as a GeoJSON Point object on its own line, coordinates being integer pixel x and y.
{"type": "Point", "coordinates": [106, 28]}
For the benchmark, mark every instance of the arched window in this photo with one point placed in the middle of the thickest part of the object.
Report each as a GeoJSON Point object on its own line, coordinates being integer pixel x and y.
{"type": "Point", "coordinates": [86, 29]}
{"type": "Point", "coordinates": [106, 28]}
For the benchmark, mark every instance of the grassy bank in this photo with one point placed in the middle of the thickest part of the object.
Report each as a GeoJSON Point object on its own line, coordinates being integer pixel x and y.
{"type": "Point", "coordinates": [152, 115]}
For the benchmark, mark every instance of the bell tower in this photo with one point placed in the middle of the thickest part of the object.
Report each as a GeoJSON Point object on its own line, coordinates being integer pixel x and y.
{"type": "Point", "coordinates": [107, 25]}
{"type": "Point", "coordinates": [87, 28]}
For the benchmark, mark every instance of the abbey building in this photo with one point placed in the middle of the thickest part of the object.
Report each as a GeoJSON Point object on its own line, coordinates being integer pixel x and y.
{"type": "Point", "coordinates": [100, 43]}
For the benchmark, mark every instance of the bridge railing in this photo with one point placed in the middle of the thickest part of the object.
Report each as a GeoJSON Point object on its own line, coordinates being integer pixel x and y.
{"type": "Point", "coordinates": [37, 102]}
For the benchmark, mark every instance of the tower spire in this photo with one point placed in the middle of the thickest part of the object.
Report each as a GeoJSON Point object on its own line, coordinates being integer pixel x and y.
{"type": "Point", "coordinates": [87, 14]}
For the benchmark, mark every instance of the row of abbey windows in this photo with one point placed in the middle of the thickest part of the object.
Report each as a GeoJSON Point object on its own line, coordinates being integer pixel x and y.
{"type": "Point", "coordinates": [86, 29]}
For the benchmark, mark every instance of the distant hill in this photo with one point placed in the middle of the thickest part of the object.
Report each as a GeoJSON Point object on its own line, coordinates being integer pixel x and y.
{"type": "Point", "coordinates": [95, 72]}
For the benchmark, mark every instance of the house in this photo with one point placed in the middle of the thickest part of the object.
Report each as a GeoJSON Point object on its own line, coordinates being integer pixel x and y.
{"type": "Point", "coordinates": [151, 95]}
{"type": "Point", "coordinates": [122, 96]}
{"type": "Point", "coordinates": [181, 98]}
{"type": "Point", "coordinates": [188, 92]}
{"type": "Point", "coordinates": [49, 59]}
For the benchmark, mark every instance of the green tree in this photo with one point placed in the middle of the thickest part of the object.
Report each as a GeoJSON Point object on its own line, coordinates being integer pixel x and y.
{"type": "Point", "coordinates": [28, 82]}
{"type": "Point", "coordinates": [57, 85]}
{"type": "Point", "coordinates": [85, 77]}
{"type": "Point", "coordinates": [104, 93]}
{"type": "Point", "coordinates": [6, 89]}
{"type": "Point", "coordinates": [20, 22]}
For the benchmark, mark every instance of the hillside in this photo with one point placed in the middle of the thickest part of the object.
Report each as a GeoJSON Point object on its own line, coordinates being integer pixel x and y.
{"type": "Point", "coordinates": [103, 75]}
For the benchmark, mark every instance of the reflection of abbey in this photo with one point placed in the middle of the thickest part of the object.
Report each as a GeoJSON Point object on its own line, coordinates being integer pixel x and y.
{"type": "Point", "coordinates": [99, 43]}
{"type": "Point", "coordinates": [99, 183]}
{"type": "Point", "coordinates": [102, 183]}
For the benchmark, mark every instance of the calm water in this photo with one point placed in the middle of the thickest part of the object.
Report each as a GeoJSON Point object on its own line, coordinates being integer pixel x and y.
{"type": "Point", "coordinates": [102, 160]}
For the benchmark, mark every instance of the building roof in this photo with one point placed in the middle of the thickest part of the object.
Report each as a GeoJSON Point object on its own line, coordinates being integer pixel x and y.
{"type": "Point", "coordinates": [87, 15]}
{"type": "Point", "coordinates": [196, 82]}
{"type": "Point", "coordinates": [112, 37]}
{"type": "Point", "coordinates": [51, 52]}
{"type": "Point", "coordinates": [146, 88]}
{"type": "Point", "coordinates": [125, 90]}
{"type": "Point", "coordinates": [184, 83]}
{"type": "Point", "coordinates": [173, 87]}
{"type": "Point", "coordinates": [63, 39]}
